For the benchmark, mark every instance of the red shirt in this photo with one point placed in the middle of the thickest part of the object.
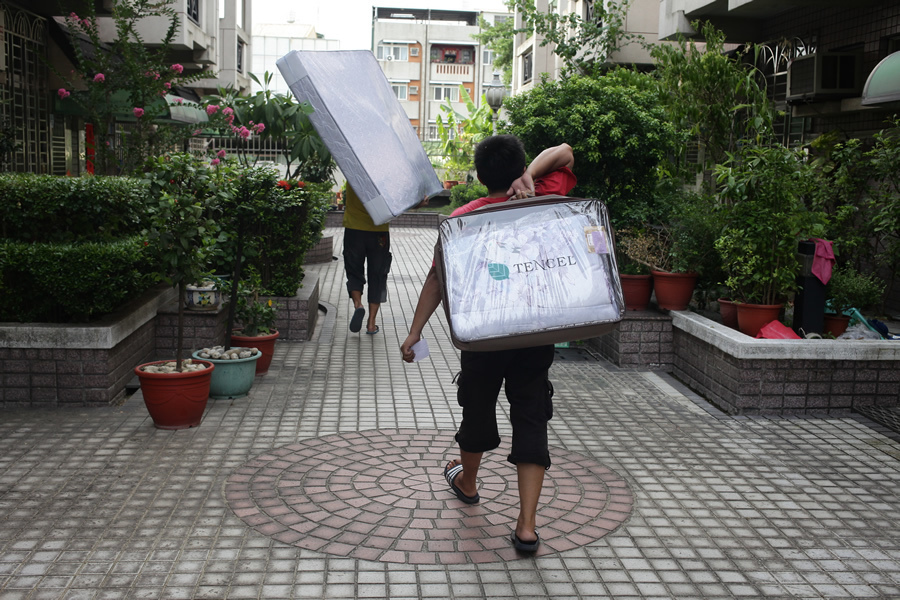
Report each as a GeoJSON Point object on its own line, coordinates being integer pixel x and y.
{"type": "Point", "coordinates": [559, 182]}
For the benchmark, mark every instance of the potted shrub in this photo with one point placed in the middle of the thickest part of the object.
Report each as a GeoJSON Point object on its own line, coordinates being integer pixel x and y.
{"type": "Point", "coordinates": [634, 271]}
{"type": "Point", "coordinates": [256, 320]}
{"type": "Point", "coordinates": [652, 246]}
{"type": "Point", "coordinates": [179, 237]}
{"type": "Point", "coordinates": [763, 189]}
{"type": "Point", "coordinates": [849, 289]}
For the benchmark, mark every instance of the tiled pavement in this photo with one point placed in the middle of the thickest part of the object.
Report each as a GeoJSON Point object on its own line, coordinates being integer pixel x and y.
{"type": "Point", "coordinates": [326, 483]}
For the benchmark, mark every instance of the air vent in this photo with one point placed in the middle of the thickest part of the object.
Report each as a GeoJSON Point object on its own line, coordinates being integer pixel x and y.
{"type": "Point", "coordinates": [413, 90]}
{"type": "Point", "coordinates": [413, 51]}
{"type": "Point", "coordinates": [824, 75]}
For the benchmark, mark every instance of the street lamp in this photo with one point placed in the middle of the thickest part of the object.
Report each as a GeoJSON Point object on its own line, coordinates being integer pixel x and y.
{"type": "Point", "coordinates": [495, 95]}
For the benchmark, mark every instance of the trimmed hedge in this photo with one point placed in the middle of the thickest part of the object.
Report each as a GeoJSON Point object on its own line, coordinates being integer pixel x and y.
{"type": "Point", "coordinates": [70, 283]}
{"type": "Point", "coordinates": [52, 209]}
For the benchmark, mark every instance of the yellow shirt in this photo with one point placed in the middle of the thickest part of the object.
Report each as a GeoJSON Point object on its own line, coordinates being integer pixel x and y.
{"type": "Point", "coordinates": [356, 216]}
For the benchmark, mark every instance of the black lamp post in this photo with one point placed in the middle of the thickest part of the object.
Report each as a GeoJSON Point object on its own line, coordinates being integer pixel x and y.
{"type": "Point", "coordinates": [495, 94]}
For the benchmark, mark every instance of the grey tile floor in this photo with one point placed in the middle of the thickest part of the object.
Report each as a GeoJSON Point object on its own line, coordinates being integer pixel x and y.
{"type": "Point", "coordinates": [97, 503]}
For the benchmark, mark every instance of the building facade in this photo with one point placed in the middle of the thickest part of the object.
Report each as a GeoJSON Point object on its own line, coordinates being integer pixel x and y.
{"type": "Point", "coordinates": [271, 41]}
{"type": "Point", "coordinates": [213, 37]}
{"type": "Point", "coordinates": [427, 55]}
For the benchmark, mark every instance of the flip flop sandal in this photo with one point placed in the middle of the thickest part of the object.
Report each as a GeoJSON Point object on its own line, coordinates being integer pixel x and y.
{"type": "Point", "coordinates": [356, 321]}
{"type": "Point", "coordinates": [525, 546]}
{"type": "Point", "coordinates": [450, 474]}
{"type": "Point", "coordinates": [377, 329]}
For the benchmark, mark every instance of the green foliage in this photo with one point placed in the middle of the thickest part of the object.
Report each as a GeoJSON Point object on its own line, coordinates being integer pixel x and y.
{"type": "Point", "coordinates": [713, 96]}
{"type": "Point", "coordinates": [498, 38]}
{"type": "Point", "coordinates": [584, 44]}
{"type": "Point", "coordinates": [285, 123]}
{"type": "Point", "coordinates": [461, 195]}
{"type": "Point", "coordinates": [850, 289]}
{"type": "Point", "coordinates": [617, 130]}
{"type": "Point", "coordinates": [128, 75]}
{"type": "Point", "coordinates": [461, 134]}
{"type": "Point", "coordinates": [47, 208]}
{"type": "Point", "coordinates": [70, 283]}
{"type": "Point", "coordinates": [765, 190]}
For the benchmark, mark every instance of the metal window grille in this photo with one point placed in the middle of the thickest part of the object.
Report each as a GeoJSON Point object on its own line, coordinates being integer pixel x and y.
{"type": "Point", "coordinates": [193, 10]}
{"type": "Point", "coordinates": [24, 92]}
{"type": "Point", "coordinates": [240, 57]}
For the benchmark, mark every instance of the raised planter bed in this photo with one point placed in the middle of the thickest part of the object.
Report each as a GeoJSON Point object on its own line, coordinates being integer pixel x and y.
{"type": "Point", "coordinates": [743, 375]}
{"type": "Point", "coordinates": [45, 364]}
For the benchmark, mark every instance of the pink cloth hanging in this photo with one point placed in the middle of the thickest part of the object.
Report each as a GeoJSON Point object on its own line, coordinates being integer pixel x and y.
{"type": "Point", "coordinates": [823, 260]}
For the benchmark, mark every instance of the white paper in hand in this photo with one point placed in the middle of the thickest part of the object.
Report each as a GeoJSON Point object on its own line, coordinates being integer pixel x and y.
{"type": "Point", "coordinates": [420, 349]}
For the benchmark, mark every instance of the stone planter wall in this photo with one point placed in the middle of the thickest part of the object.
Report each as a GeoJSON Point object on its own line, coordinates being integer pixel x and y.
{"type": "Point", "coordinates": [322, 252]}
{"type": "Point", "coordinates": [202, 329]}
{"type": "Point", "coordinates": [743, 375]}
{"type": "Point", "coordinates": [643, 339]}
{"type": "Point", "coordinates": [297, 316]}
{"type": "Point", "coordinates": [45, 364]}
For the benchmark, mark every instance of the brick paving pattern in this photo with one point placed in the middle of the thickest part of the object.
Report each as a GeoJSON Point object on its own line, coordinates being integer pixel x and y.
{"type": "Point", "coordinates": [381, 495]}
{"type": "Point", "coordinates": [96, 503]}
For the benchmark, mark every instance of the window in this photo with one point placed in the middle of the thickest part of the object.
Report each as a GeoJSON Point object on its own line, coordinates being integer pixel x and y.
{"type": "Point", "coordinates": [487, 57]}
{"type": "Point", "coordinates": [393, 52]}
{"type": "Point", "coordinates": [399, 90]}
{"type": "Point", "coordinates": [500, 19]}
{"type": "Point", "coordinates": [527, 67]}
{"type": "Point", "coordinates": [193, 10]}
{"type": "Point", "coordinates": [239, 13]}
{"type": "Point", "coordinates": [449, 92]}
{"type": "Point", "coordinates": [414, 51]}
{"type": "Point", "coordinates": [240, 57]}
{"type": "Point", "coordinates": [413, 90]}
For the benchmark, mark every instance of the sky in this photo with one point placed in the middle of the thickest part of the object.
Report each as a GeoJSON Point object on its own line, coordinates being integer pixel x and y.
{"type": "Point", "coordinates": [350, 21]}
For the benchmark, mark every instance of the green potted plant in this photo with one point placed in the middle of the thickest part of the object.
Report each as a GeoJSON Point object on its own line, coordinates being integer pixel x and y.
{"type": "Point", "coordinates": [763, 189]}
{"type": "Point", "coordinates": [179, 236]}
{"type": "Point", "coordinates": [849, 289]}
{"type": "Point", "coordinates": [257, 323]}
{"type": "Point", "coordinates": [637, 250]}
{"type": "Point", "coordinates": [653, 246]}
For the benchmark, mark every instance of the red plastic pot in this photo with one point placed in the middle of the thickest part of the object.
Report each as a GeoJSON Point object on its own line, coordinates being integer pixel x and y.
{"type": "Point", "coordinates": [728, 310]}
{"type": "Point", "coordinates": [752, 317]}
{"type": "Point", "coordinates": [637, 290]}
{"type": "Point", "coordinates": [674, 290]}
{"type": "Point", "coordinates": [175, 400]}
{"type": "Point", "coordinates": [264, 343]}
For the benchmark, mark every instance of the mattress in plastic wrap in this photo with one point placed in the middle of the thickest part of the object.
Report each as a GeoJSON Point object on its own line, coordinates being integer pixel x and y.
{"type": "Point", "coordinates": [354, 110]}
{"type": "Point", "coordinates": [528, 273]}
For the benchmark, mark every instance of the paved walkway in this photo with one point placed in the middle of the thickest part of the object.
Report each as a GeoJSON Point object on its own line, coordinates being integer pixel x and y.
{"type": "Point", "coordinates": [326, 483]}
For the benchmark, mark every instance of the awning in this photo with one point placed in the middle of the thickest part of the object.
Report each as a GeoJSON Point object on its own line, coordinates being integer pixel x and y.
{"type": "Point", "coordinates": [398, 42]}
{"type": "Point", "coordinates": [453, 43]}
{"type": "Point", "coordinates": [185, 112]}
{"type": "Point", "coordinates": [883, 84]}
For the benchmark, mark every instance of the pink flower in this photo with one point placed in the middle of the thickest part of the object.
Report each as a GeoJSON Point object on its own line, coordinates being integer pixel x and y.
{"type": "Point", "coordinates": [197, 132]}
{"type": "Point", "coordinates": [214, 161]}
{"type": "Point", "coordinates": [227, 111]}
{"type": "Point", "coordinates": [221, 153]}
{"type": "Point", "coordinates": [63, 93]}
{"type": "Point", "coordinates": [86, 23]}
{"type": "Point", "coordinates": [212, 109]}
{"type": "Point", "coordinates": [73, 16]}
{"type": "Point", "coordinates": [230, 119]}
{"type": "Point", "coordinates": [177, 68]}
{"type": "Point", "coordinates": [179, 100]}
{"type": "Point", "coordinates": [259, 128]}
{"type": "Point", "coordinates": [99, 78]}
{"type": "Point", "coordinates": [138, 112]}
{"type": "Point", "coordinates": [167, 85]}
{"type": "Point", "coordinates": [244, 132]}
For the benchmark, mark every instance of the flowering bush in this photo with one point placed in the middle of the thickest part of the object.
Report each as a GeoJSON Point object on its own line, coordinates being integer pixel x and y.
{"type": "Point", "coordinates": [124, 79]}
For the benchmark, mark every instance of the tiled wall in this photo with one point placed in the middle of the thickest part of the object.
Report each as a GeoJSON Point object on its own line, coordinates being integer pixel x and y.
{"type": "Point", "coordinates": [643, 339]}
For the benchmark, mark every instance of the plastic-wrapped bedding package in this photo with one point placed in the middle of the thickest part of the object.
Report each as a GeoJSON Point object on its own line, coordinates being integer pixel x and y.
{"type": "Point", "coordinates": [529, 272]}
{"type": "Point", "coordinates": [350, 103]}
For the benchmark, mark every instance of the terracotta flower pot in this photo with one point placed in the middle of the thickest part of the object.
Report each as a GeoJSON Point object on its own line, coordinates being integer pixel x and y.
{"type": "Point", "coordinates": [836, 324]}
{"type": "Point", "coordinates": [674, 290]}
{"type": "Point", "coordinates": [264, 343]}
{"type": "Point", "coordinates": [637, 290]}
{"type": "Point", "coordinates": [175, 400]}
{"type": "Point", "coordinates": [752, 317]}
{"type": "Point", "coordinates": [728, 310]}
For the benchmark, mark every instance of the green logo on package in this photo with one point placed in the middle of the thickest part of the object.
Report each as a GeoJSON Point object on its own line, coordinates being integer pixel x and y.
{"type": "Point", "coordinates": [498, 271]}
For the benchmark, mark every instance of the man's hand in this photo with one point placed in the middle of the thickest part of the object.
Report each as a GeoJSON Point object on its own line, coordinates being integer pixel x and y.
{"type": "Point", "coordinates": [523, 187]}
{"type": "Point", "coordinates": [406, 347]}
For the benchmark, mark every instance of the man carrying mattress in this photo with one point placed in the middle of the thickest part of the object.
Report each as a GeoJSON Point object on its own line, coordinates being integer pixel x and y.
{"type": "Point", "coordinates": [500, 165]}
{"type": "Point", "coordinates": [367, 251]}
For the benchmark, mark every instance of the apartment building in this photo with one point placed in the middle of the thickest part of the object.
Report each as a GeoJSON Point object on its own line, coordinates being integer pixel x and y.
{"type": "Point", "coordinates": [213, 37]}
{"type": "Point", "coordinates": [271, 41]}
{"type": "Point", "coordinates": [532, 60]}
{"type": "Point", "coordinates": [831, 66]}
{"type": "Point", "coordinates": [427, 54]}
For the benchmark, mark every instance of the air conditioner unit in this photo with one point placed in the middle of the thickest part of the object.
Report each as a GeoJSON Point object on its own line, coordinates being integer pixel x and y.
{"type": "Point", "coordinates": [389, 57]}
{"type": "Point", "coordinates": [824, 75]}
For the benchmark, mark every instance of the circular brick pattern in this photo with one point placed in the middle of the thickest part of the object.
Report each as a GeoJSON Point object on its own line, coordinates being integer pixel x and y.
{"type": "Point", "coordinates": [381, 495]}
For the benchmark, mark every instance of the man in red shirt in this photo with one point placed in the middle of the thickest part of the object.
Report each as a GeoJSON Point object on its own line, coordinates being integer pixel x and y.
{"type": "Point", "coordinates": [500, 165]}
